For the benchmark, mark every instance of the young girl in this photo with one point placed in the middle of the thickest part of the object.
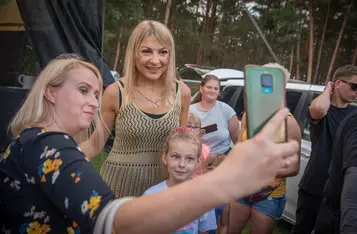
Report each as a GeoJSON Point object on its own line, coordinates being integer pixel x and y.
{"type": "Point", "coordinates": [181, 155]}
{"type": "Point", "coordinates": [194, 123]}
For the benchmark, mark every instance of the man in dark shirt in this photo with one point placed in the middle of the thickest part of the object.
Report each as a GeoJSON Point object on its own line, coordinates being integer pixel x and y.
{"type": "Point", "coordinates": [324, 115]}
{"type": "Point", "coordinates": [341, 188]}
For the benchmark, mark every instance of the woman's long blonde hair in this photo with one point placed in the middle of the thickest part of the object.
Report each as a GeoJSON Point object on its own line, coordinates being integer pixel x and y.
{"type": "Point", "coordinates": [36, 110]}
{"type": "Point", "coordinates": [163, 35]}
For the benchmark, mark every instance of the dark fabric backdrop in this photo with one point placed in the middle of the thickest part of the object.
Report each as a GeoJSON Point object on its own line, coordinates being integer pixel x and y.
{"type": "Point", "coordinates": [66, 26]}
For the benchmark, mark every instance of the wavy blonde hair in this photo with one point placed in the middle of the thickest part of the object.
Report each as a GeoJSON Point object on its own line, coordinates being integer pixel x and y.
{"type": "Point", "coordinates": [183, 134]}
{"type": "Point", "coordinates": [163, 35]}
{"type": "Point", "coordinates": [37, 109]}
{"type": "Point", "coordinates": [284, 70]}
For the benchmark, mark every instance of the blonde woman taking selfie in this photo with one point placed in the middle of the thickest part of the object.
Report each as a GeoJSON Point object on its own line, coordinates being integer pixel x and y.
{"type": "Point", "coordinates": [48, 186]}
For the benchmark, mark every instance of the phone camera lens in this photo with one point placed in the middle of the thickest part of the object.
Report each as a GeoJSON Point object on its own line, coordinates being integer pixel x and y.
{"type": "Point", "coordinates": [266, 80]}
{"type": "Point", "coordinates": [266, 83]}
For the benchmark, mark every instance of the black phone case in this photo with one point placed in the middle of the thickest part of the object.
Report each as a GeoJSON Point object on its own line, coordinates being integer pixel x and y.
{"type": "Point", "coordinates": [210, 128]}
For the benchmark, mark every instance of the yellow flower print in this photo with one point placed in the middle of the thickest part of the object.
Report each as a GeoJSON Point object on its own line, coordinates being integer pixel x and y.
{"type": "Point", "coordinates": [56, 164]}
{"type": "Point", "coordinates": [70, 230]}
{"type": "Point", "coordinates": [47, 166]}
{"type": "Point", "coordinates": [8, 151]}
{"type": "Point", "coordinates": [34, 228]}
{"type": "Point", "coordinates": [45, 228]}
{"type": "Point", "coordinates": [93, 204]}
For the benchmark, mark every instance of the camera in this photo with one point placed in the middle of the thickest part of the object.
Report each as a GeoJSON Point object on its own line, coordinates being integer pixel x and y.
{"type": "Point", "coordinates": [266, 83]}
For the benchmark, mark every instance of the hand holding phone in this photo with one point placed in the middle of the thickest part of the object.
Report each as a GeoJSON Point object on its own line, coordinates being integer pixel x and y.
{"type": "Point", "coordinates": [264, 95]}
{"type": "Point", "coordinates": [209, 128]}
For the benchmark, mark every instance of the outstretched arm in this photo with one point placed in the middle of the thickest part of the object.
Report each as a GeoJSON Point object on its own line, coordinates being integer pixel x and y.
{"type": "Point", "coordinates": [163, 212]}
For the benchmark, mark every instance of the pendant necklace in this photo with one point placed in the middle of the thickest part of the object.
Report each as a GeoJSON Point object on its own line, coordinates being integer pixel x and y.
{"type": "Point", "coordinates": [155, 103]}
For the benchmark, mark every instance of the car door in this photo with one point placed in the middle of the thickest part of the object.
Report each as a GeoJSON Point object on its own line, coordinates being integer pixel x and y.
{"type": "Point", "coordinates": [298, 103]}
{"type": "Point", "coordinates": [191, 78]}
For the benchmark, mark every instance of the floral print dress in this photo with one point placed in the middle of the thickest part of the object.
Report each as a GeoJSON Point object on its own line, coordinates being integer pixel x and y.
{"type": "Point", "coordinates": [48, 186]}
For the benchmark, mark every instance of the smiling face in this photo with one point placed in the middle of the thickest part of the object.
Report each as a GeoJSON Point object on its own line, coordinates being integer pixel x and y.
{"type": "Point", "coordinates": [76, 100]}
{"type": "Point", "coordinates": [181, 161]}
{"type": "Point", "coordinates": [210, 90]}
{"type": "Point", "coordinates": [152, 59]}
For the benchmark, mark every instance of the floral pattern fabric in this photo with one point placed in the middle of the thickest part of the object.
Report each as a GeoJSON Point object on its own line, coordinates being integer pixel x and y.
{"type": "Point", "coordinates": [48, 186]}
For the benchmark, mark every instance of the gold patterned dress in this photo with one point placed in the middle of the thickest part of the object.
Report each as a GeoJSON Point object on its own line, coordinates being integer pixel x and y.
{"type": "Point", "coordinates": [134, 163]}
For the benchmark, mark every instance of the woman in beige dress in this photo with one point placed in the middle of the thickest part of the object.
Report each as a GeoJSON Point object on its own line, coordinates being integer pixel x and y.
{"type": "Point", "coordinates": [143, 106]}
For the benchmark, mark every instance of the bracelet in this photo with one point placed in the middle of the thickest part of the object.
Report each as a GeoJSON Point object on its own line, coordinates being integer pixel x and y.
{"type": "Point", "coordinates": [108, 228]}
{"type": "Point", "coordinates": [104, 223]}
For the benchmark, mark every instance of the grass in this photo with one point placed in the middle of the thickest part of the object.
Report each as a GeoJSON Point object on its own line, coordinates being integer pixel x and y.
{"type": "Point", "coordinates": [98, 160]}
{"type": "Point", "coordinates": [282, 227]}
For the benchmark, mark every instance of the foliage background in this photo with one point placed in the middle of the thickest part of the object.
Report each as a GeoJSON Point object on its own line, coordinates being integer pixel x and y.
{"type": "Point", "coordinates": [219, 33]}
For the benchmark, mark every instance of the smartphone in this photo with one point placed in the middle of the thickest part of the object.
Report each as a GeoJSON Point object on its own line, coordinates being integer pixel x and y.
{"type": "Point", "coordinates": [264, 95]}
{"type": "Point", "coordinates": [210, 128]}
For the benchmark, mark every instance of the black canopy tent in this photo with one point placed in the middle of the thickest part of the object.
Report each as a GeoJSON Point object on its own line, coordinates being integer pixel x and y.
{"type": "Point", "coordinates": [54, 27]}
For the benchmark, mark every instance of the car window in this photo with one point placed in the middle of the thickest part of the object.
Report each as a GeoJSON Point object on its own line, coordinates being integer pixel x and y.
{"type": "Point", "coordinates": [306, 130]}
{"type": "Point", "coordinates": [292, 99]}
{"type": "Point", "coordinates": [239, 106]}
{"type": "Point", "coordinates": [226, 93]}
{"type": "Point", "coordinates": [189, 74]}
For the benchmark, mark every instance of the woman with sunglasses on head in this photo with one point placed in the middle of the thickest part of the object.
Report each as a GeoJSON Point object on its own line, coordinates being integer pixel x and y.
{"type": "Point", "coordinates": [143, 106]}
{"type": "Point", "coordinates": [48, 186]}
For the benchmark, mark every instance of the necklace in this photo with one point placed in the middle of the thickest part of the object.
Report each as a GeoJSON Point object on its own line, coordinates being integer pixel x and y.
{"type": "Point", "coordinates": [155, 103]}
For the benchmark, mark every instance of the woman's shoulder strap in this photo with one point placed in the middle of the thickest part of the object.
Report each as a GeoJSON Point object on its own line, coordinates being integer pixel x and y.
{"type": "Point", "coordinates": [120, 90]}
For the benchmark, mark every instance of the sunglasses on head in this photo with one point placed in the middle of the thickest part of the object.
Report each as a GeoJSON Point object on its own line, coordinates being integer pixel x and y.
{"type": "Point", "coordinates": [353, 85]}
{"type": "Point", "coordinates": [193, 127]}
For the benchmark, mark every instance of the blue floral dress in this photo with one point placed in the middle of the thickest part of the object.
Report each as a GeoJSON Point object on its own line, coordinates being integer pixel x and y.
{"type": "Point", "coordinates": [48, 186]}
